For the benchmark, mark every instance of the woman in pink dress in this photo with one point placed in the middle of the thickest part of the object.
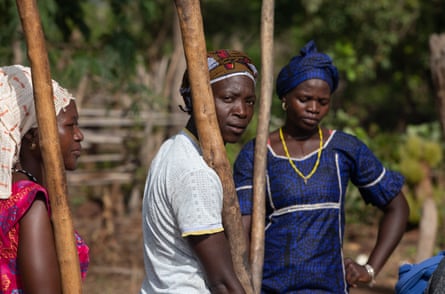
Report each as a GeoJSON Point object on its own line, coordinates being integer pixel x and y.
{"type": "Point", "coordinates": [28, 259]}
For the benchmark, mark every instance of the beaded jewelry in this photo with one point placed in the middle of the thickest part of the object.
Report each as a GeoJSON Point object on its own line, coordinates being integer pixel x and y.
{"type": "Point", "coordinates": [27, 173]}
{"type": "Point", "coordinates": [314, 169]}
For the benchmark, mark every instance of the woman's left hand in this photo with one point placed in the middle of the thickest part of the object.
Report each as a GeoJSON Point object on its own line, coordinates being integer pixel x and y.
{"type": "Point", "coordinates": [355, 273]}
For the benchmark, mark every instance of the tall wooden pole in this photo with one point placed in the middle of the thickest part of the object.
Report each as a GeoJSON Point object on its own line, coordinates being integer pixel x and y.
{"type": "Point", "coordinates": [55, 178]}
{"type": "Point", "coordinates": [260, 161]}
{"type": "Point", "coordinates": [190, 20]}
{"type": "Point", "coordinates": [437, 65]}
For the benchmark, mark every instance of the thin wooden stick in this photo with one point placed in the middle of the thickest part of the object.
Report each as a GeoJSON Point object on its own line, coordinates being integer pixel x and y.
{"type": "Point", "coordinates": [49, 142]}
{"type": "Point", "coordinates": [260, 161]}
{"type": "Point", "coordinates": [190, 20]}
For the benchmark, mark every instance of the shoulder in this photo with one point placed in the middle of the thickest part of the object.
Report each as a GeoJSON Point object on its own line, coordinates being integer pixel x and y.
{"type": "Point", "coordinates": [175, 151]}
{"type": "Point", "coordinates": [178, 160]}
{"type": "Point", "coordinates": [341, 135]}
{"type": "Point", "coordinates": [25, 190]}
{"type": "Point", "coordinates": [23, 195]}
{"type": "Point", "coordinates": [246, 152]}
{"type": "Point", "coordinates": [249, 146]}
{"type": "Point", "coordinates": [346, 141]}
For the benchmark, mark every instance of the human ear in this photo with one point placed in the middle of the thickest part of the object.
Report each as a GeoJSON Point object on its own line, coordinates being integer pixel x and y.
{"type": "Point", "coordinates": [32, 136]}
{"type": "Point", "coordinates": [283, 104]}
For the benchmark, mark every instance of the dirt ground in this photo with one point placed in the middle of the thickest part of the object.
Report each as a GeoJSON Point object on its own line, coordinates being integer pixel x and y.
{"type": "Point", "coordinates": [117, 263]}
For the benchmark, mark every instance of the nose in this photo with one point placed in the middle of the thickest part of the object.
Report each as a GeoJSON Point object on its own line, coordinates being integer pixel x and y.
{"type": "Point", "coordinates": [241, 109]}
{"type": "Point", "coordinates": [313, 106]}
{"type": "Point", "coordinates": [78, 135]}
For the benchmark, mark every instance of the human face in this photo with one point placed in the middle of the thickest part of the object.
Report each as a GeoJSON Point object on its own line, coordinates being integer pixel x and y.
{"type": "Point", "coordinates": [70, 135]}
{"type": "Point", "coordinates": [234, 103]}
{"type": "Point", "coordinates": [307, 104]}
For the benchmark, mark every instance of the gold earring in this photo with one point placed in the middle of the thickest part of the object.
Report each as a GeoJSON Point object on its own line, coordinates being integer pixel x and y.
{"type": "Point", "coordinates": [284, 106]}
{"type": "Point", "coordinates": [33, 146]}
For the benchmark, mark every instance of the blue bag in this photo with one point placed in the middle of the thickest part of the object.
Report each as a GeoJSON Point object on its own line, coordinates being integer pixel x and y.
{"type": "Point", "coordinates": [414, 278]}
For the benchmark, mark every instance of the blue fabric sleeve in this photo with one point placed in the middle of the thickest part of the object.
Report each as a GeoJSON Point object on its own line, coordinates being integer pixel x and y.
{"type": "Point", "coordinates": [377, 185]}
{"type": "Point", "coordinates": [243, 177]}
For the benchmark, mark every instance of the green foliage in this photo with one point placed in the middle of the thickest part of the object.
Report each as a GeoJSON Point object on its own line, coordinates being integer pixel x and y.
{"type": "Point", "coordinates": [9, 23]}
{"type": "Point", "coordinates": [412, 148]}
{"type": "Point", "coordinates": [421, 146]}
{"type": "Point", "coordinates": [415, 207]}
{"type": "Point", "coordinates": [432, 153]}
{"type": "Point", "coordinates": [412, 170]}
{"type": "Point", "coordinates": [380, 48]}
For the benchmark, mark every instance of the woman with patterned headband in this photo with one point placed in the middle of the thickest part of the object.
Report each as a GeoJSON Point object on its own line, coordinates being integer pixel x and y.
{"type": "Point", "coordinates": [28, 260]}
{"type": "Point", "coordinates": [308, 169]}
{"type": "Point", "coordinates": [185, 248]}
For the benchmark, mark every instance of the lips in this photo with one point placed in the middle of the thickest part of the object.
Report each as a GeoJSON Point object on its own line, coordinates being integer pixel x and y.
{"type": "Point", "coordinates": [76, 153]}
{"type": "Point", "coordinates": [237, 128]}
{"type": "Point", "coordinates": [310, 120]}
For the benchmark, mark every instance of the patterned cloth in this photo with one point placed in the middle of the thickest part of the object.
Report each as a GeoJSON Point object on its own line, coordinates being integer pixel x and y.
{"type": "Point", "coordinates": [183, 196]}
{"type": "Point", "coordinates": [222, 64]}
{"type": "Point", "coordinates": [310, 64]}
{"type": "Point", "coordinates": [11, 211]}
{"type": "Point", "coordinates": [305, 222]}
{"type": "Point", "coordinates": [18, 116]}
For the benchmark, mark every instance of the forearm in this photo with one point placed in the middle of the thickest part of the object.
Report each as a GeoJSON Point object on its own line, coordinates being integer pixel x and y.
{"type": "Point", "coordinates": [391, 229]}
{"type": "Point", "coordinates": [214, 254]}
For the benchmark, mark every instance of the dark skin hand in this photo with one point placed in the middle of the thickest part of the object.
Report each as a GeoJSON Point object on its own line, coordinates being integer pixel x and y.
{"type": "Point", "coordinates": [214, 254]}
{"type": "Point", "coordinates": [391, 229]}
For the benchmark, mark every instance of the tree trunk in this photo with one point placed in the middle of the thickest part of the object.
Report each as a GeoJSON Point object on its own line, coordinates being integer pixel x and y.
{"type": "Point", "coordinates": [428, 224]}
{"type": "Point", "coordinates": [428, 230]}
{"type": "Point", "coordinates": [173, 79]}
{"type": "Point", "coordinates": [429, 219]}
{"type": "Point", "coordinates": [437, 64]}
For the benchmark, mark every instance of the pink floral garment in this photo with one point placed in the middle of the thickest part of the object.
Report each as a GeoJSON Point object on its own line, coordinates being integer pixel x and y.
{"type": "Point", "coordinates": [11, 211]}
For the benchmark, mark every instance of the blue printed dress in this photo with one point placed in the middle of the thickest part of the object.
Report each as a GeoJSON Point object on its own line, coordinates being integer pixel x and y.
{"type": "Point", "coordinates": [305, 222]}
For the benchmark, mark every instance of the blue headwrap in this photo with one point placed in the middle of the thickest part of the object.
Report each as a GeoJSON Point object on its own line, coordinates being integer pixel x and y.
{"type": "Point", "coordinates": [310, 64]}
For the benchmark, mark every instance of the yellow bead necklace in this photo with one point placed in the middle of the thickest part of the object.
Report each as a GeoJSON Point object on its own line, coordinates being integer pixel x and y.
{"type": "Point", "coordinates": [314, 169]}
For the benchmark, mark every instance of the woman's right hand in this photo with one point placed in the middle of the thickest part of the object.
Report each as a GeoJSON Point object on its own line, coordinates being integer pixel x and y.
{"type": "Point", "coordinates": [356, 273]}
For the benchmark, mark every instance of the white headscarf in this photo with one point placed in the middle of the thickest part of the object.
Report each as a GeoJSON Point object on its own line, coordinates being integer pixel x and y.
{"type": "Point", "coordinates": [17, 116]}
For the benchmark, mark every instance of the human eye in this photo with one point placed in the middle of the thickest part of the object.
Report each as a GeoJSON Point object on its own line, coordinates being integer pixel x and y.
{"type": "Point", "coordinates": [228, 98]}
{"type": "Point", "coordinates": [323, 101]}
{"type": "Point", "coordinates": [303, 99]}
{"type": "Point", "coordinates": [71, 123]}
{"type": "Point", "coordinates": [251, 101]}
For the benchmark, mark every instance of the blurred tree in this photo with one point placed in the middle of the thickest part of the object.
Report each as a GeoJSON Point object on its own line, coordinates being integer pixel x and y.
{"type": "Point", "coordinates": [124, 48]}
{"type": "Point", "coordinates": [124, 54]}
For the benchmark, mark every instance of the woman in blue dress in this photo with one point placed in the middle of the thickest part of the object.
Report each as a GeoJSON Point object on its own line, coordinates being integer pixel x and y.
{"type": "Point", "coordinates": [308, 169]}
